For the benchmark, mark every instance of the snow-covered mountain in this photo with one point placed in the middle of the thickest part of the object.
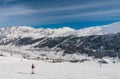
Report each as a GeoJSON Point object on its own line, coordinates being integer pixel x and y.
{"type": "Point", "coordinates": [100, 30]}
{"type": "Point", "coordinates": [65, 39]}
{"type": "Point", "coordinates": [26, 31]}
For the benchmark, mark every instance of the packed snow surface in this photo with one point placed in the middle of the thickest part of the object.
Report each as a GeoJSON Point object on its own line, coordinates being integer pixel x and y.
{"type": "Point", "coordinates": [18, 68]}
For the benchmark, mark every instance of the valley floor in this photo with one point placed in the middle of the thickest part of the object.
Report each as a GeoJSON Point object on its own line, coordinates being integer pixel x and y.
{"type": "Point", "coordinates": [17, 68]}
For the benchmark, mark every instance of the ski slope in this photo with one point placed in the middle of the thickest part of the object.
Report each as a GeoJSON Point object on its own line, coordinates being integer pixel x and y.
{"type": "Point", "coordinates": [17, 68]}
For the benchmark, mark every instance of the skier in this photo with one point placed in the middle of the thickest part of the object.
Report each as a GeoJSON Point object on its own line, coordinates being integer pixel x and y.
{"type": "Point", "coordinates": [33, 66]}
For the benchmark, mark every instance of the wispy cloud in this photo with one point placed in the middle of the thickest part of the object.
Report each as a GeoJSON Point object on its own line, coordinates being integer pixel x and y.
{"type": "Point", "coordinates": [7, 1]}
{"type": "Point", "coordinates": [42, 12]}
{"type": "Point", "coordinates": [80, 12]}
{"type": "Point", "coordinates": [79, 7]}
{"type": "Point", "coordinates": [107, 15]}
{"type": "Point", "coordinates": [15, 10]}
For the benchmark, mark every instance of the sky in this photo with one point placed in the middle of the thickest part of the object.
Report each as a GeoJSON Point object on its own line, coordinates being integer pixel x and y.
{"type": "Point", "coordinates": [59, 13]}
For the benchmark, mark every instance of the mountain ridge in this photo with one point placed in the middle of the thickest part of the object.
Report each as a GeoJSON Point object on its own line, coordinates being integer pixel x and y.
{"type": "Point", "coordinates": [26, 31]}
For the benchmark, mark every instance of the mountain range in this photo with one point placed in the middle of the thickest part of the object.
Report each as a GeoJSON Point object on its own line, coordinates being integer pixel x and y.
{"type": "Point", "coordinates": [96, 41]}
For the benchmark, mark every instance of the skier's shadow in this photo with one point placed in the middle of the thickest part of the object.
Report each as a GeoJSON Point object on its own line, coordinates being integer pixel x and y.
{"type": "Point", "coordinates": [23, 73]}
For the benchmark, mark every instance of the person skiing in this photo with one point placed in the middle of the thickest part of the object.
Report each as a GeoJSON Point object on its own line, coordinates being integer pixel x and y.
{"type": "Point", "coordinates": [33, 67]}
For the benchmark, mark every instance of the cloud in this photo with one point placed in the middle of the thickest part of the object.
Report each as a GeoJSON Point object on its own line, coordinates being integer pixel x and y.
{"type": "Point", "coordinates": [14, 11]}
{"type": "Point", "coordinates": [85, 16]}
{"type": "Point", "coordinates": [7, 1]}
{"type": "Point", "coordinates": [80, 12]}
{"type": "Point", "coordinates": [78, 7]}
{"type": "Point", "coordinates": [48, 12]}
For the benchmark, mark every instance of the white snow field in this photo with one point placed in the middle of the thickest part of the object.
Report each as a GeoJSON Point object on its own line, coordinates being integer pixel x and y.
{"type": "Point", "coordinates": [14, 68]}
